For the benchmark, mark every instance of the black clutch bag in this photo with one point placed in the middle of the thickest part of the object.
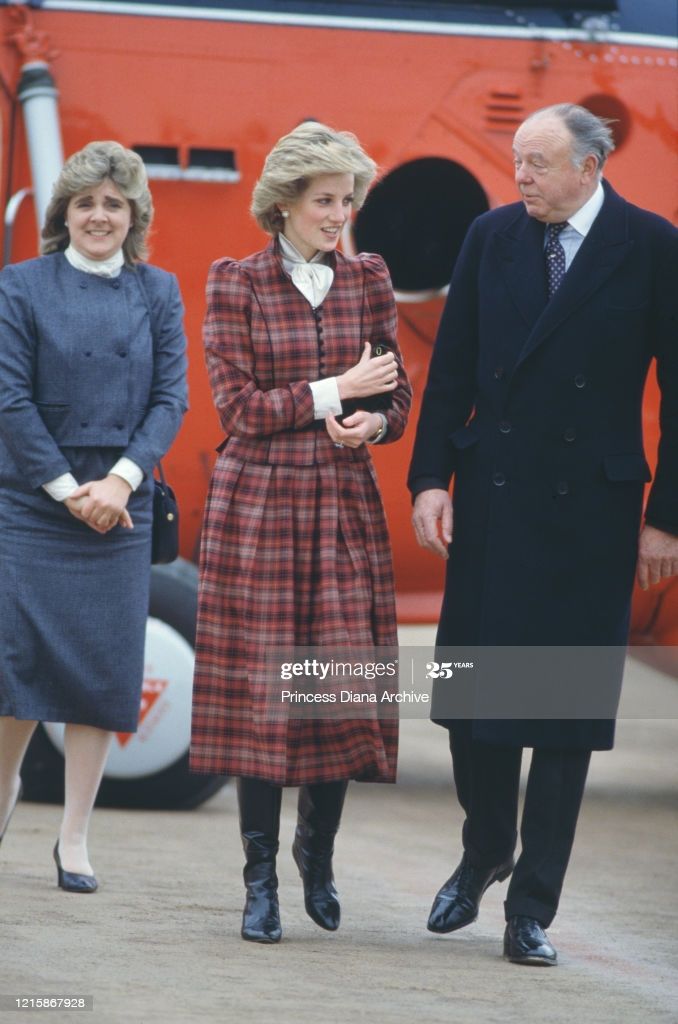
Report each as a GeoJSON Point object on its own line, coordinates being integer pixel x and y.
{"type": "Point", "coordinates": [165, 533]}
{"type": "Point", "coordinates": [371, 403]}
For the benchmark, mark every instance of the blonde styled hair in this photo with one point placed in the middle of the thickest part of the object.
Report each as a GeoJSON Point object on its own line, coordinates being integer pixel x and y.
{"type": "Point", "coordinates": [311, 149]}
{"type": "Point", "coordinates": [87, 168]}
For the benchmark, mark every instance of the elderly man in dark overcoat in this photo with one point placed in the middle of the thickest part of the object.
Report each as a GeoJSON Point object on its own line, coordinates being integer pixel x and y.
{"type": "Point", "coordinates": [557, 306]}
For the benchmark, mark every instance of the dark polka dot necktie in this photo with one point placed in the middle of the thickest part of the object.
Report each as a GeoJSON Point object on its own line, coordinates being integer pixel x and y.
{"type": "Point", "coordinates": [555, 256]}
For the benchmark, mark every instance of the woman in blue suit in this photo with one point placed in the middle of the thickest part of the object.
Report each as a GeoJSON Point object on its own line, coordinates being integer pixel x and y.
{"type": "Point", "coordinates": [92, 393]}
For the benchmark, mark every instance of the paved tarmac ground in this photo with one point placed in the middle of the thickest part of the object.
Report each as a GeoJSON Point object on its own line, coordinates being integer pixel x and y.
{"type": "Point", "coordinates": [160, 940]}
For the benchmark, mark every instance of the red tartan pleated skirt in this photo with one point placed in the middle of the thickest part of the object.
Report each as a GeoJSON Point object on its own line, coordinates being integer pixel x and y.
{"type": "Point", "coordinates": [292, 556]}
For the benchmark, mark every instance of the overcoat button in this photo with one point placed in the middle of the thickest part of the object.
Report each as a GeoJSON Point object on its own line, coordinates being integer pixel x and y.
{"type": "Point", "coordinates": [580, 381]}
{"type": "Point", "coordinates": [118, 426]}
{"type": "Point", "coordinates": [499, 373]}
{"type": "Point", "coordinates": [570, 434]}
{"type": "Point", "coordinates": [122, 355]}
{"type": "Point", "coordinates": [84, 423]}
{"type": "Point", "coordinates": [498, 479]}
{"type": "Point", "coordinates": [88, 354]}
{"type": "Point", "coordinates": [505, 427]}
{"type": "Point", "coordinates": [562, 487]}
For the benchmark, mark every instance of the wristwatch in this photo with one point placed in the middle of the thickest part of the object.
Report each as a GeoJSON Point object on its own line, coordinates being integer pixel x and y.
{"type": "Point", "coordinates": [380, 432]}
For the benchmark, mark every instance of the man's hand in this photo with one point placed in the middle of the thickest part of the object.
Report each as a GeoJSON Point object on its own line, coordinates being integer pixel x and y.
{"type": "Point", "coordinates": [432, 519]}
{"type": "Point", "coordinates": [657, 556]}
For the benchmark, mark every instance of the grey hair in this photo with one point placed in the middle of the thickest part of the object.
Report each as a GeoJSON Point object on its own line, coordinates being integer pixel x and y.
{"type": "Point", "coordinates": [87, 168]}
{"type": "Point", "coordinates": [307, 151]}
{"type": "Point", "coordinates": [591, 135]}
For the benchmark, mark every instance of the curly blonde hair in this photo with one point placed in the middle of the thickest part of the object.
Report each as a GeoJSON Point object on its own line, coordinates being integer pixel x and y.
{"type": "Point", "coordinates": [308, 151]}
{"type": "Point", "coordinates": [89, 167]}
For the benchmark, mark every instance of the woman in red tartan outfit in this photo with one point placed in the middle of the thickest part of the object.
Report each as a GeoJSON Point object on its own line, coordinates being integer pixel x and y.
{"type": "Point", "coordinates": [295, 548]}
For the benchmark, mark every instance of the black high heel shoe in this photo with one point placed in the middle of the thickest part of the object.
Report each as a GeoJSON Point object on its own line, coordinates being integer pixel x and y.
{"type": "Point", "coordinates": [18, 798]}
{"type": "Point", "coordinates": [69, 880]}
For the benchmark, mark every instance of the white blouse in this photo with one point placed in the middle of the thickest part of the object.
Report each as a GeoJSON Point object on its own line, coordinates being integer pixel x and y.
{"type": "Point", "coordinates": [313, 278]}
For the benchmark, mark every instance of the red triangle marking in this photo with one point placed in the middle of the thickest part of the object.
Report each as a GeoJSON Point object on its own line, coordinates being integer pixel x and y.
{"type": "Point", "coordinates": [150, 691]}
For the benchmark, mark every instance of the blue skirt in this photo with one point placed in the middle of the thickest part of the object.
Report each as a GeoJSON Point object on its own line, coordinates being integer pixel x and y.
{"type": "Point", "coordinates": [73, 604]}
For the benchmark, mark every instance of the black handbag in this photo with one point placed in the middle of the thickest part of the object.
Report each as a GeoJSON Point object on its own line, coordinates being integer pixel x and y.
{"type": "Point", "coordinates": [165, 533]}
{"type": "Point", "coordinates": [370, 403]}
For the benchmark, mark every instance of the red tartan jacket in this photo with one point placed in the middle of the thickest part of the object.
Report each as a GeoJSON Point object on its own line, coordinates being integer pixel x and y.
{"type": "Point", "coordinates": [262, 348]}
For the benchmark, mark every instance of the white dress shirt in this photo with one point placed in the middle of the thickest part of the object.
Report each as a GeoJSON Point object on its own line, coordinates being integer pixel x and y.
{"type": "Point", "coordinates": [579, 225]}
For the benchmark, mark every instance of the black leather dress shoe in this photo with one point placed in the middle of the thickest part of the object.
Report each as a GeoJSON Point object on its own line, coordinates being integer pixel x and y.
{"type": "Point", "coordinates": [526, 942]}
{"type": "Point", "coordinates": [70, 881]}
{"type": "Point", "coordinates": [457, 903]}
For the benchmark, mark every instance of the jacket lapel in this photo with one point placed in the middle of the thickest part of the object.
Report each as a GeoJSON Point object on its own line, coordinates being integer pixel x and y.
{"type": "Point", "coordinates": [604, 248]}
{"type": "Point", "coordinates": [520, 249]}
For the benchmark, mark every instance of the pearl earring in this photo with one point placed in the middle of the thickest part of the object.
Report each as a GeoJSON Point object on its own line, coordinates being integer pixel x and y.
{"type": "Point", "coordinates": [285, 213]}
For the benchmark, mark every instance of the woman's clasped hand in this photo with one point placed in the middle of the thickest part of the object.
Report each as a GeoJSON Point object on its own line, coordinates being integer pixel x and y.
{"type": "Point", "coordinates": [101, 504]}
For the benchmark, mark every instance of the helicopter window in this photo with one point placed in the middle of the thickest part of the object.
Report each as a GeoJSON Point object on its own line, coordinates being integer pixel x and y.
{"type": "Point", "coordinates": [200, 164]}
{"type": "Point", "coordinates": [211, 165]}
{"type": "Point", "coordinates": [161, 161]}
{"type": "Point", "coordinates": [416, 218]}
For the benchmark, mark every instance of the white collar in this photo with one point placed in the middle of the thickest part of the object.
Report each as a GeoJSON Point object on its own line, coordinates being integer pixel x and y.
{"type": "Point", "coordinates": [102, 268]}
{"type": "Point", "coordinates": [291, 253]}
{"type": "Point", "coordinates": [313, 278]}
{"type": "Point", "coordinates": [583, 219]}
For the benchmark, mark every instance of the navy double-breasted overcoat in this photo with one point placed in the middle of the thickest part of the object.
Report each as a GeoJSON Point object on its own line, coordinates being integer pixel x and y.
{"type": "Point", "coordinates": [535, 407]}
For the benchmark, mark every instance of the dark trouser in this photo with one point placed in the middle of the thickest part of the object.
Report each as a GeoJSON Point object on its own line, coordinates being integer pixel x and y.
{"type": "Point", "coordinates": [487, 778]}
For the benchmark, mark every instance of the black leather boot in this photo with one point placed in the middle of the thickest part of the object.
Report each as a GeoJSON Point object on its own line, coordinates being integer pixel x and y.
{"type": "Point", "coordinates": [320, 807]}
{"type": "Point", "coordinates": [259, 804]}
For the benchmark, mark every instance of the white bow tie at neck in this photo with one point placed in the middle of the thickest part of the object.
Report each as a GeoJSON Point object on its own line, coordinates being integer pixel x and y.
{"type": "Point", "coordinates": [313, 280]}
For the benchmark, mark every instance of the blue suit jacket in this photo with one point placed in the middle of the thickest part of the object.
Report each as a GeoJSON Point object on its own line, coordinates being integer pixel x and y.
{"type": "Point", "coordinates": [88, 362]}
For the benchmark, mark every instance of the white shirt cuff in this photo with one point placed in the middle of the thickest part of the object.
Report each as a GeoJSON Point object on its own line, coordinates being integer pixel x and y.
{"type": "Point", "coordinates": [61, 487]}
{"type": "Point", "coordinates": [325, 397]}
{"type": "Point", "coordinates": [129, 471]}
